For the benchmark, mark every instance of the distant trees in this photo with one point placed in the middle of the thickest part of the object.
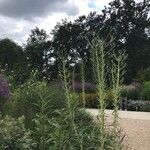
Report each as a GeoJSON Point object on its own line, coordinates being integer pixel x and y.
{"type": "Point", "coordinates": [125, 20]}
{"type": "Point", "coordinates": [129, 23]}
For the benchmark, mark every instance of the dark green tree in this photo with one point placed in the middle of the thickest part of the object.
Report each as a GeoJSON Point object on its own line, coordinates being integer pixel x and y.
{"type": "Point", "coordinates": [127, 21]}
{"type": "Point", "coordinates": [72, 38]}
{"type": "Point", "coordinates": [10, 54]}
{"type": "Point", "coordinates": [38, 51]}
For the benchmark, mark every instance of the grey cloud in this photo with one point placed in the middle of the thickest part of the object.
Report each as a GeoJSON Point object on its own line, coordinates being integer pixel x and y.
{"type": "Point", "coordinates": [10, 28]}
{"type": "Point", "coordinates": [28, 9]}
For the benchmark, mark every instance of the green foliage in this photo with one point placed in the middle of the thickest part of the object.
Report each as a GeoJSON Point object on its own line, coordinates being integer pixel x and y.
{"type": "Point", "coordinates": [42, 121]}
{"type": "Point", "coordinates": [52, 113]}
{"type": "Point", "coordinates": [145, 108]}
{"type": "Point", "coordinates": [100, 64]}
{"type": "Point", "coordinates": [104, 68]}
{"type": "Point", "coordinates": [79, 136]}
{"type": "Point", "coordinates": [14, 136]}
{"type": "Point", "coordinates": [128, 28]}
{"type": "Point", "coordinates": [121, 20]}
{"type": "Point", "coordinates": [131, 92]}
{"type": "Point", "coordinates": [91, 100]}
{"type": "Point", "coordinates": [139, 105]}
{"type": "Point", "coordinates": [10, 54]}
{"type": "Point", "coordinates": [146, 91]}
{"type": "Point", "coordinates": [144, 75]}
{"type": "Point", "coordinates": [37, 51]}
{"type": "Point", "coordinates": [23, 100]}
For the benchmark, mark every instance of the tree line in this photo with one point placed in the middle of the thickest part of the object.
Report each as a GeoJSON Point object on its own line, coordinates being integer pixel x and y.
{"type": "Point", "coordinates": [124, 21]}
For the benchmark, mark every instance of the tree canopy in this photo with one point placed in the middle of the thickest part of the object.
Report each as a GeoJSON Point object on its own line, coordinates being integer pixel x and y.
{"type": "Point", "coordinates": [127, 21]}
{"type": "Point", "coordinates": [10, 54]}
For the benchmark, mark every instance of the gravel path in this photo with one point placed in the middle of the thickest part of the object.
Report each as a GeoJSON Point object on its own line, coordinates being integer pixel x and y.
{"type": "Point", "coordinates": [136, 125]}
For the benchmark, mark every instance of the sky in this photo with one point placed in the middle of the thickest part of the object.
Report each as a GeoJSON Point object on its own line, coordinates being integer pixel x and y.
{"type": "Point", "coordinates": [19, 17]}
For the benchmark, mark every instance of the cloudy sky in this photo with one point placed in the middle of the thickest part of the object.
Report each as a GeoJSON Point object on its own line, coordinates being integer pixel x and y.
{"type": "Point", "coordinates": [18, 17]}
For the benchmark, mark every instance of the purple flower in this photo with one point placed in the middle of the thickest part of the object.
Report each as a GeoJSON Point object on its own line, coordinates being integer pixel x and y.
{"type": "Point", "coordinates": [4, 88]}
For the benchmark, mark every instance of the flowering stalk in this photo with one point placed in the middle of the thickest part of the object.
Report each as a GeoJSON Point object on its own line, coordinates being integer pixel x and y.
{"type": "Point", "coordinates": [117, 72]}
{"type": "Point", "coordinates": [100, 62]}
{"type": "Point", "coordinates": [83, 82]}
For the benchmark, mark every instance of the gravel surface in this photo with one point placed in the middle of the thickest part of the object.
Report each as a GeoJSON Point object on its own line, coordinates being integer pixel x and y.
{"type": "Point", "coordinates": [135, 125]}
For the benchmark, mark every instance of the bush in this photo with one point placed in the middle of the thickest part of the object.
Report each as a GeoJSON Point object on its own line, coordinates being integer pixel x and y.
{"type": "Point", "coordinates": [145, 108]}
{"type": "Point", "coordinates": [14, 136]}
{"type": "Point", "coordinates": [138, 105]}
{"type": "Point", "coordinates": [91, 100]}
{"type": "Point", "coordinates": [83, 135]}
{"type": "Point", "coordinates": [131, 92]}
{"type": "Point", "coordinates": [146, 91]}
{"type": "Point", "coordinates": [24, 99]}
{"type": "Point", "coordinates": [144, 75]}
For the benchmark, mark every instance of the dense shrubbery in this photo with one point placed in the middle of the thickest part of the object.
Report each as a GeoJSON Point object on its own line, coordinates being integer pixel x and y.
{"type": "Point", "coordinates": [14, 135]}
{"type": "Point", "coordinates": [24, 99]}
{"type": "Point", "coordinates": [131, 92]}
{"type": "Point", "coordinates": [91, 100]}
{"type": "Point", "coordinates": [39, 100]}
{"type": "Point", "coordinates": [138, 105]}
{"type": "Point", "coordinates": [146, 91]}
{"type": "Point", "coordinates": [144, 75]}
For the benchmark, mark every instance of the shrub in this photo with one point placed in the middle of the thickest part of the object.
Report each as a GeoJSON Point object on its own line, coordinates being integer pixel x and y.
{"type": "Point", "coordinates": [131, 92]}
{"type": "Point", "coordinates": [145, 108]}
{"type": "Point", "coordinates": [24, 98]}
{"type": "Point", "coordinates": [146, 91]}
{"type": "Point", "coordinates": [144, 75]}
{"type": "Point", "coordinates": [83, 135]}
{"type": "Point", "coordinates": [138, 105]}
{"type": "Point", "coordinates": [14, 136]}
{"type": "Point", "coordinates": [91, 100]}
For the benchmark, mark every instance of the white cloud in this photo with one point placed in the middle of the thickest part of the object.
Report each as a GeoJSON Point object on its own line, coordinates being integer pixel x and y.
{"type": "Point", "coordinates": [18, 29]}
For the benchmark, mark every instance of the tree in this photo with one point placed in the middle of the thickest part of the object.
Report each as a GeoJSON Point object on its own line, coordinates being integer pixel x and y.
{"type": "Point", "coordinates": [128, 22]}
{"type": "Point", "coordinates": [38, 50]}
{"type": "Point", "coordinates": [125, 20]}
{"type": "Point", "coordinates": [72, 38]}
{"type": "Point", "coordinates": [10, 54]}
